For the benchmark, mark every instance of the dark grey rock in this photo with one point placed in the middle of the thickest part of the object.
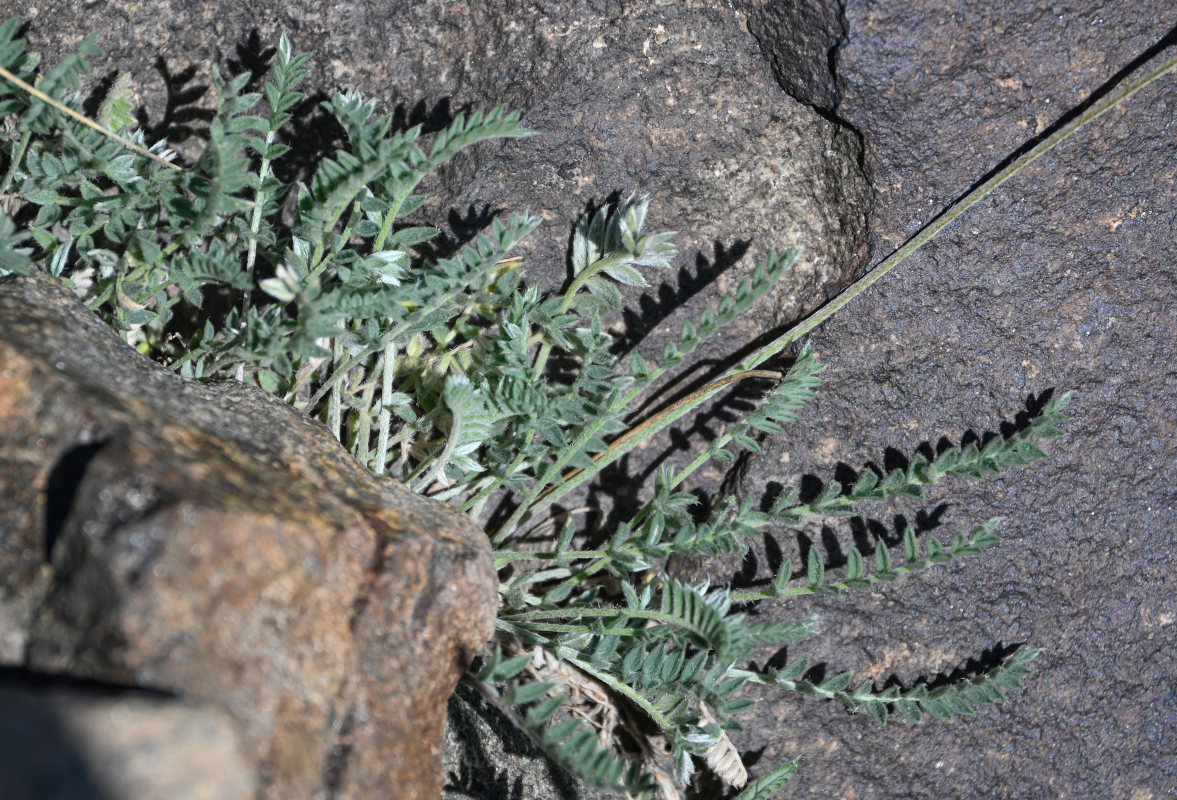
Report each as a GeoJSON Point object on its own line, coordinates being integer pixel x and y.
{"type": "Point", "coordinates": [1064, 280]}
{"type": "Point", "coordinates": [800, 39]}
{"type": "Point", "coordinates": [673, 100]}
{"type": "Point", "coordinates": [488, 758]}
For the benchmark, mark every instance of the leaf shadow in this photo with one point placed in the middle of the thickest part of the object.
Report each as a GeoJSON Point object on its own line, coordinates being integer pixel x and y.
{"type": "Point", "coordinates": [865, 532]}
{"type": "Point", "coordinates": [480, 774]}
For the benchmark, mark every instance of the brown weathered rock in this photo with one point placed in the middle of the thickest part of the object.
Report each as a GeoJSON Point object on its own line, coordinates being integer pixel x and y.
{"type": "Point", "coordinates": [208, 541]}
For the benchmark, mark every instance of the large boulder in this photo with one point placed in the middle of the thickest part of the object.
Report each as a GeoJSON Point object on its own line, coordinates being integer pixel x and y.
{"type": "Point", "coordinates": [208, 542]}
{"type": "Point", "coordinates": [674, 100]}
{"type": "Point", "coordinates": [1063, 280]}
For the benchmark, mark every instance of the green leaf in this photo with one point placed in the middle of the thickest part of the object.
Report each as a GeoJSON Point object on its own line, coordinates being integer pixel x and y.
{"type": "Point", "coordinates": [505, 670]}
{"type": "Point", "coordinates": [278, 289]}
{"type": "Point", "coordinates": [624, 273]}
{"type": "Point", "coordinates": [909, 710]}
{"type": "Point", "coordinates": [14, 259]}
{"type": "Point", "coordinates": [955, 703]}
{"type": "Point", "coordinates": [774, 781]}
{"type": "Point", "coordinates": [411, 237]}
{"type": "Point", "coordinates": [269, 380]}
{"type": "Point", "coordinates": [935, 707]}
{"type": "Point", "coordinates": [854, 564]}
{"type": "Point", "coordinates": [816, 569]}
{"type": "Point", "coordinates": [540, 714]}
{"type": "Point", "coordinates": [911, 547]}
{"type": "Point", "coordinates": [877, 710]}
{"type": "Point", "coordinates": [795, 669]}
{"type": "Point", "coordinates": [694, 613]}
{"type": "Point", "coordinates": [838, 683]}
{"type": "Point", "coordinates": [523, 693]}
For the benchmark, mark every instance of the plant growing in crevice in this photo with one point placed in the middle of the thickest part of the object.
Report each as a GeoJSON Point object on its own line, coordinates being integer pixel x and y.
{"type": "Point", "coordinates": [441, 372]}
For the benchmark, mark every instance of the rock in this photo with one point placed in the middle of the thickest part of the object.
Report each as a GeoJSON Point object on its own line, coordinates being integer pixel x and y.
{"type": "Point", "coordinates": [1063, 280]}
{"type": "Point", "coordinates": [61, 741]}
{"type": "Point", "coordinates": [674, 100]}
{"type": "Point", "coordinates": [209, 542]}
{"type": "Point", "coordinates": [488, 758]}
{"type": "Point", "coordinates": [677, 100]}
{"type": "Point", "coordinates": [801, 39]}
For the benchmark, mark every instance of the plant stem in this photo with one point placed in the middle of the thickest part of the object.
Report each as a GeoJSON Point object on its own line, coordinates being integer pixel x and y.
{"type": "Point", "coordinates": [335, 402]}
{"type": "Point", "coordinates": [506, 557]}
{"type": "Point", "coordinates": [387, 367]}
{"type": "Point", "coordinates": [929, 231]}
{"type": "Point", "coordinates": [18, 155]}
{"type": "Point", "coordinates": [255, 221]}
{"type": "Point", "coordinates": [536, 501]}
{"type": "Point", "coordinates": [64, 109]}
{"type": "Point", "coordinates": [542, 495]}
{"type": "Point", "coordinates": [545, 350]}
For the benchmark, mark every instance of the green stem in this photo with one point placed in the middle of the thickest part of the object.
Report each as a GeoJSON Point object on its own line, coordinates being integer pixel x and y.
{"type": "Point", "coordinates": [391, 336]}
{"type": "Point", "coordinates": [756, 677]}
{"type": "Point", "coordinates": [37, 93]}
{"type": "Point", "coordinates": [255, 222]}
{"type": "Point", "coordinates": [503, 558]}
{"type": "Point", "coordinates": [18, 155]}
{"type": "Point", "coordinates": [929, 231]}
{"type": "Point", "coordinates": [387, 367]}
{"type": "Point", "coordinates": [335, 402]}
{"type": "Point", "coordinates": [545, 350]}
{"type": "Point", "coordinates": [747, 597]}
{"type": "Point", "coordinates": [551, 627]}
{"type": "Point", "coordinates": [474, 501]}
{"type": "Point", "coordinates": [567, 613]}
{"type": "Point", "coordinates": [390, 216]}
{"type": "Point", "coordinates": [361, 446]}
{"type": "Point", "coordinates": [580, 280]}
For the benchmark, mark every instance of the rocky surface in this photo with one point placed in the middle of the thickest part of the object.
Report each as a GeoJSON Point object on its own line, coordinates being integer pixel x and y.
{"type": "Point", "coordinates": [1062, 281]}
{"type": "Point", "coordinates": [488, 758]}
{"type": "Point", "coordinates": [673, 99]}
{"type": "Point", "coordinates": [68, 740]}
{"type": "Point", "coordinates": [208, 542]}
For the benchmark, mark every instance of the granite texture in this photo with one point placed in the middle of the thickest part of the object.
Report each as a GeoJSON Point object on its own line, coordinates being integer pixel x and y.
{"type": "Point", "coordinates": [208, 542]}
{"type": "Point", "coordinates": [760, 124]}
{"type": "Point", "coordinates": [1062, 281]}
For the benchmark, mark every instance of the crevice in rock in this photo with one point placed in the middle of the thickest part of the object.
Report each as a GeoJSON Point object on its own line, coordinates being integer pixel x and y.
{"type": "Point", "coordinates": [16, 677]}
{"type": "Point", "coordinates": [61, 490]}
{"type": "Point", "coordinates": [335, 764]}
{"type": "Point", "coordinates": [832, 57]}
{"type": "Point", "coordinates": [786, 37]}
{"type": "Point", "coordinates": [372, 573]}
